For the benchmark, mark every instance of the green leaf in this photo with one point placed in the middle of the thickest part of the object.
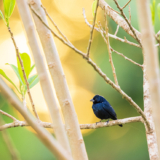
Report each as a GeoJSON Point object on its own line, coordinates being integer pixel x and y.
{"type": "Point", "coordinates": [33, 81]}
{"type": "Point", "coordinates": [152, 8]}
{"type": "Point", "coordinates": [6, 77]}
{"type": "Point", "coordinates": [26, 63]}
{"type": "Point", "coordinates": [15, 69]}
{"type": "Point", "coordinates": [94, 4]}
{"type": "Point", "coordinates": [158, 9]}
{"type": "Point", "coordinates": [32, 68]}
{"type": "Point", "coordinates": [8, 7]}
{"type": "Point", "coordinates": [1, 15]}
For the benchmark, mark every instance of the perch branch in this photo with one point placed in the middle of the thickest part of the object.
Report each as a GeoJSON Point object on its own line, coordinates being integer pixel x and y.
{"type": "Point", "coordinates": [82, 126]}
{"type": "Point", "coordinates": [24, 74]}
{"type": "Point", "coordinates": [91, 32]}
{"type": "Point", "coordinates": [52, 144]}
{"type": "Point", "coordinates": [98, 70]}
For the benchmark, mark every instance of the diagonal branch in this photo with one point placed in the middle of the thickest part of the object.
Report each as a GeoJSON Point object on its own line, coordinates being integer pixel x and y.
{"type": "Point", "coordinates": [129, 24]}
{"type": "Point", "coordinates": [110, 35]}
{"type": "Point", "coordinates": [127, 58]}
{"type": "Point", "coordinates": [91, 32]}
{"type": "Point", "coordinates": [8, 115]}
{"type": "Point", "coordinates": [126, 4]}
{"type": "Point", "coordinates": [82, 126]}
{"type": "Point", "coordinates": [98, 70]}
{"type": "Point", "coordinates": [24, 74]}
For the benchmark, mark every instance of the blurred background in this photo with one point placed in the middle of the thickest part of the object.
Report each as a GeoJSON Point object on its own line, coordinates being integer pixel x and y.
{"type": "Point", "coordinates": [112, 143]}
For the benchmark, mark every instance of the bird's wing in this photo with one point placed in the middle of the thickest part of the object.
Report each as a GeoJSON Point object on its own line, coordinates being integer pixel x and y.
{"type": "Point", "coordinates": [108, 108]}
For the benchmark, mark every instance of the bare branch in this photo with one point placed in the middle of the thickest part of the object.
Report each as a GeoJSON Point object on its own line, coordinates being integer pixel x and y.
{"type": "Point", "coordinates": [127, 58]}
{"type": "Point", "coordinates": [24, 74]}
{"type": "Point", "coordinates": [110, 53]}
{"type": "Point", "coordinates": [118, 19]}
{"type": "Point", "coordinates": [52, 144]}
{"type": "Point", "coordinates": [8, 115]}
{"type": "Point", "coordinates": [110, 35]}
{"type": "Point", "coordinates": [91, 32]}
{"type": "Point", "coordinates": [129, 10]}
{"type": "Point", "coordinates": [129, 24]}
{"type": "Point", "coordinates": [124, 95]}
{"type": "Point", "coordinates": [116, 30]}
{"type": "Point", "coordinates": [54, 24]}
{"type": "Point", "coordinates": [126, 4]}
{"type": "Point", "coordinates": [82, 126]}
{"type": "Point", "coordinates": [8, 141]}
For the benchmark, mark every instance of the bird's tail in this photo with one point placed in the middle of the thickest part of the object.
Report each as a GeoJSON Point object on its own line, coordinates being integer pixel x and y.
{"type": "Point", "coordinates": [120, 125]}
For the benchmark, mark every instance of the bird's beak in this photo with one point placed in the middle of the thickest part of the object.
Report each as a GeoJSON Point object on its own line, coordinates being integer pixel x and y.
{"type": "Point", "coordinates": [92, 100]}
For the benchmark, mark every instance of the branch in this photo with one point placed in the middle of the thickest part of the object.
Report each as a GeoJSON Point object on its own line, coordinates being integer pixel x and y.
{"type": "Point", "coordinates": [8, 141]}
{"type": "Point", "coordinates": [82, 126]}
{"type": "Point", "coordinates": [98, 70]}
{"type": "Point", "coordinates": [127, 58]}
{"type": "Point", "coordinates": [24, 74]}
{"type": "Point", "coordinates": [91, 32]}
{"type": "Point", "coordinates": [50, 18]}
{"type": "Point", "coordinates": [45, 136]}
{"type": "Point", "coordinates": [126, 4]}
{"type": "Point", "coordinates": [129, 24]}
{"type": "Point", "coordinates": [110, 54]}
{"type": "Point", "coordinates": [116, 30]}
{"type": "Point", "coordinates": [8, 115]}
{"type": "Point", "coordinates": [118, 19]}
{"type": "Point", "coordinates": [110, 35]}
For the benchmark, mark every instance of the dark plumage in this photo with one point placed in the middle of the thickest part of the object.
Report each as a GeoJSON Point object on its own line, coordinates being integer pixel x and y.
{"type": "Point", "coordinates": [102, 109]}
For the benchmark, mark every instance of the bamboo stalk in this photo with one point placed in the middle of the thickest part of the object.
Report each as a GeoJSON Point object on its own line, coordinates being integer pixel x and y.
{"type": "Point", "coordinates": [60, 84]}
{"type": "Point", "coordinates": [42, 73]}
{"type": "Point", "coordinates": [152, 66]}
{"type": "Point", "coordinates": [45, 137]}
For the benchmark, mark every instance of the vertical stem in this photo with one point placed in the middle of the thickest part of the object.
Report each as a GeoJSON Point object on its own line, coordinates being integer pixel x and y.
{"type": "Point", "coordinates": [110, 53]}
{"type": "Point", "coordinates": [45, 83]}
{"type": "Point", "coordinates": [151, 61]}
{"type": "Point", "coordinates": [151, 136]}
{"type": "Point", "coordinates": [60, 84]}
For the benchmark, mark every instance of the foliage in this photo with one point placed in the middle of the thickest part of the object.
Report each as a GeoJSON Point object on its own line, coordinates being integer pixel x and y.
{"type": "Point", "coordinates": [33, 80]}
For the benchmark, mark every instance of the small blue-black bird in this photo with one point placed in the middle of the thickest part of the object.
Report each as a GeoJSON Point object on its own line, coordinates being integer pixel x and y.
{"type": "Point", "coordinates": [102, 109]}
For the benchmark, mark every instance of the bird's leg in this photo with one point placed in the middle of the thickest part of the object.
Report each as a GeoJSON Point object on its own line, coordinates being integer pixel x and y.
{"type": "Point", "coordinates": [107, 121]}
{"type": "Point", "coordinates": [99, 121]}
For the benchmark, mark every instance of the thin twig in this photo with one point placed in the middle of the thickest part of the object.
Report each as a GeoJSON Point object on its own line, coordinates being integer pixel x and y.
{"type": "Point", "coordinates": [129, 10]}
{"type": "Point", "coordinates": [8, 115]}
{"type": "Point", "coordinates": [116, 30]}
{"type": "Point", "coordinates": [98, 70]}
{"type": "Point", "coordinates": [82, 126]}
{"type": "Point", "coordinates": [91, 32]}
{"type": "Point", "coordinates": [8, 141]}
{"type": "Point", "coordinates": [129, 24]}
{"type": "Point", "coordinates": [24, 74]}
{"type": "Point", "coordinates": [110, 53]}
{"type": "Point", "coordinates": [54, 23]}
{"type": "Point", "coordinates": [110, 35]}
{"type": "Point", "coordinates": [126, 4]}
{"type": "Point", "coordinates": [127, 58]}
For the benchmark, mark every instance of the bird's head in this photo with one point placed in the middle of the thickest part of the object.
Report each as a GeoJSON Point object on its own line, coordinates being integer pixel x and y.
{"type": "Point", "coordinates": [98, 99]}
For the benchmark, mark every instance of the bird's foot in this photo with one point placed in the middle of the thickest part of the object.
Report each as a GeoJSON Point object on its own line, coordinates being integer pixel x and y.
{"type": "Point", "coordinates": [98, 122]}
{"type": "Point", "coordinates": [107, 121]}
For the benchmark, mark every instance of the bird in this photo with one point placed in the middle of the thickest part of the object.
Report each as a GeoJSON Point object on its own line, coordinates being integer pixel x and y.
{"type": "Point", "coordinates": [102, 109]}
